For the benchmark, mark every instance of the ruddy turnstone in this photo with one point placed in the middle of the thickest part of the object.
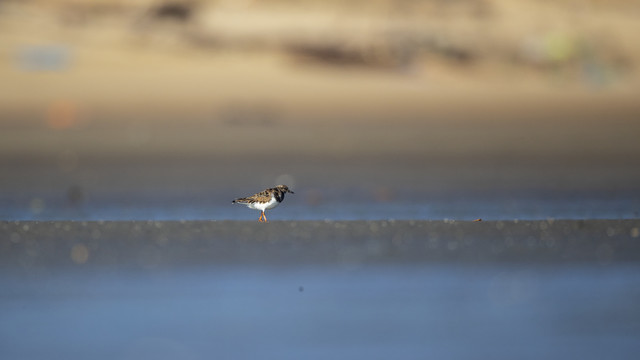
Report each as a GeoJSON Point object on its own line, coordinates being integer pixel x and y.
{"type": "Point", "coordinates": [264, 200]}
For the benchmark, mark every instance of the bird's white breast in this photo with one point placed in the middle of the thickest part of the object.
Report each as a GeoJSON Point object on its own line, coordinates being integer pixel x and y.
{"type": "Point", "coordinates": [264, 206]}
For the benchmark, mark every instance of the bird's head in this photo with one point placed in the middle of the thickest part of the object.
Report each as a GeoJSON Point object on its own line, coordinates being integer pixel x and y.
{"type": "Point", "coordinates": [284, 188]}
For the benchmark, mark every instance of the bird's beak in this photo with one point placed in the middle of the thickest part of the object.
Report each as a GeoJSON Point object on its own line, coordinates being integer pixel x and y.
{"type": "Point", "coordinates": [291, 192]}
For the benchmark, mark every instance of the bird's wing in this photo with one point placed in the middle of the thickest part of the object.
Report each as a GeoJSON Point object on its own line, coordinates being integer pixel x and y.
{"type": "Point", "coordinates": [263, 196]}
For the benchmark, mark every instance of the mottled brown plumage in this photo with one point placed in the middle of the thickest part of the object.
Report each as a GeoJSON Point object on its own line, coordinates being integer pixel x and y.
{"type": "Point", "coordinates": [264, 200]}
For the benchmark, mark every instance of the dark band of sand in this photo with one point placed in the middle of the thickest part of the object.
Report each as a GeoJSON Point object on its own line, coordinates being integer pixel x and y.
{"type": "Point", "coordinates": [149, 244]}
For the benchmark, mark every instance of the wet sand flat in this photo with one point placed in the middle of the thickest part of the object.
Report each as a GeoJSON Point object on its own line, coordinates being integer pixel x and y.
{"type": "Point", "coordinates": [158, 244]}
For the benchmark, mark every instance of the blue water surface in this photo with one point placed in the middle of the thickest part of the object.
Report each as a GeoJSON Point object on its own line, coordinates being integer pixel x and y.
{"type": "Point", "coordinates": [374, 312]}
{"type": "Point", "coordinates": [213, 206]}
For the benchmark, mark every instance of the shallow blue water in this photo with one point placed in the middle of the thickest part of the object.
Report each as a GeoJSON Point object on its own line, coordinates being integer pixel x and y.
{"type": "Point", "coordinates": [379, 312]}
{"type": "Point", "coordinates": [205, 206]}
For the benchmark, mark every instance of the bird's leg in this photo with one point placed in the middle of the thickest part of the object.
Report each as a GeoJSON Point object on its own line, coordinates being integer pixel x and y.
{"type": "Point", "coordinates": [261, 215]}
{"type": "Point", "coordinates": [265, 216]}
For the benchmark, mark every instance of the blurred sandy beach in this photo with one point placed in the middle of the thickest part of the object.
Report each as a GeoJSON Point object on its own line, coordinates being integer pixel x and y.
{"type": "Point", "coordinates": [387, 100]}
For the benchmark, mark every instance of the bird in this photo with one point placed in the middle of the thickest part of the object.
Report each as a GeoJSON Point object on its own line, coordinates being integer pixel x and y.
{"type": "Point", "coordinates": [264, 200]}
